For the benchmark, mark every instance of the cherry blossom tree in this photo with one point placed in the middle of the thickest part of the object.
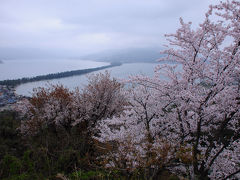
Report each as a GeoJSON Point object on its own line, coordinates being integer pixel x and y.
{"type": "Point", "coordinates": [58, 107]}
{"type": "Point", "coordinates": [195, 109]}
{"type": "Point", "coordinates": [51, 107]}
{"type": "Point", "coordinates": [60, 120]}
{"type": "Point", "coordinates": [102, 98]}
{"type": "Point", "coordinates": [187, 122]}
{"type": "Point", "coordinates": [137, 136]}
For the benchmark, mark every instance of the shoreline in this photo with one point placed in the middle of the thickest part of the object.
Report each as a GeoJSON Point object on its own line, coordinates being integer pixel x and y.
{"type": "Point", "coordinates": [17, 82]}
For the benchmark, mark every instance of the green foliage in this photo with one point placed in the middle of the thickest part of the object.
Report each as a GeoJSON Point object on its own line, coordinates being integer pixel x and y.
{"type": "Point", "coordinates": [13, 168]}
{"type": "Point", "coordinates": [98, 175]}
{"type": "Point", "coordinates": [10, 140]}
{"type": "Point", "coordinates": [72, 153]}
{"type": "Point", "coordinates": [77, 175]}
{"type": "Point", "coordinates": [68, 160]}
{"type": "Point", "coordinates": [11, 165]}
{"type": "Point", "coordinates": [27, 162]}
{"type": "Point", "coordinates": [173, 177]}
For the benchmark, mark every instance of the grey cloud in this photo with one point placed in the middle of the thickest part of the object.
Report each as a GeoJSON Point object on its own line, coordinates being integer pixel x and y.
{"type": "Point", "coordinates": [80, 27]}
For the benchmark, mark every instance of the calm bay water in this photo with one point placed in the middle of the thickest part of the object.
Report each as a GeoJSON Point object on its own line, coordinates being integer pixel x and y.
{"type": "Point", "coordinates": [14, 69]}
{"type": "Point", "coordinates": [119, 72]}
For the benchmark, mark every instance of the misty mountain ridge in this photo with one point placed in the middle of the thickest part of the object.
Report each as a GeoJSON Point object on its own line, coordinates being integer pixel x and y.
{"type": "Point", "coordinates": [133, 55]}
{"type": "Point", "coordinates": [7, 53]}
{"type": "Point", "coordinates": [130, 55]}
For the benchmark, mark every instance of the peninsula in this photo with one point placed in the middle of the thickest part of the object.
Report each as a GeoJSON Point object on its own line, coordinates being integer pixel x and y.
{"type": "Point", "coordinates": [19, 81]}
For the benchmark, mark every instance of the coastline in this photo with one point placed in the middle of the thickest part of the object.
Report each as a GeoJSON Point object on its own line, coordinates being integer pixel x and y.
{"type": "Point", "coordinates": [16, 82]}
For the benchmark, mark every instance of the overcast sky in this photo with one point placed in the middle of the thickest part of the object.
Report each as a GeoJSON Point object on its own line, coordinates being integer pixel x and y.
{"type": "Point", "coordinates": [86, 26]}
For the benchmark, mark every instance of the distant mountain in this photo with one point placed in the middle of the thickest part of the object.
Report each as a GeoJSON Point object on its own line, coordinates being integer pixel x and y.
{"type": "Point", "coordinates": [127, 55]}
{"type": "Point", "coordinates": [1, 62]}
{"type": "Point", "coordinates": [31, 53]}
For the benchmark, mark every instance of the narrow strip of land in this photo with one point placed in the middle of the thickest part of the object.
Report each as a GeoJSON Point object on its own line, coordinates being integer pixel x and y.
{"type": "Point", "coordinates": [16, 82]}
